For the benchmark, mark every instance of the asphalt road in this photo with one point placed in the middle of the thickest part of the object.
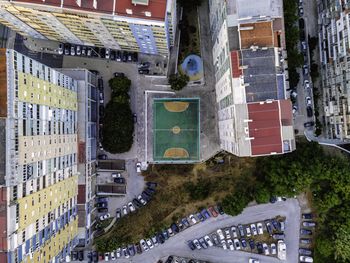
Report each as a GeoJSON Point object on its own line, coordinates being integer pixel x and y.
{"type": "Point", "coordinates": [177, 245]}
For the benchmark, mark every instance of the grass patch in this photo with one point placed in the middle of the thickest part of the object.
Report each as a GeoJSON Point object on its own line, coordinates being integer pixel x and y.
{"type": "Point", "coordinates": [181, 190]}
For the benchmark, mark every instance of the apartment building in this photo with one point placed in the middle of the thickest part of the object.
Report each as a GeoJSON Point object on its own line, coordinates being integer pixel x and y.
{"type": "Point", "coordinates": [255, 115]}
{"type": "Point", "coordinates": [146, 26]}
{"type": "Point", "coordinates": [87, 143]}
{"type": "Point", "coordinates": [334, 46]}
{"type": "Point", "coordinates": [39, 161]}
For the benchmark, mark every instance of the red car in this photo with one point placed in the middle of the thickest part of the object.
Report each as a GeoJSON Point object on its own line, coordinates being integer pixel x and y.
{"type": "Point", "coordinates": [213, 211]}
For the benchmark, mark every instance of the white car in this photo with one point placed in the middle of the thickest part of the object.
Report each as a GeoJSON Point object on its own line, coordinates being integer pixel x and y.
{"type": "Point", "coordinates": [223, 244]}
{"type": "Point", "coordinates": [273, 249]}
{"type": "Point", "coordinates": [125, 252]}
{"type": "Point", "coordinates": [142, 201]}
{"type": "Point", "coordinates": [138, 167]}
{"type": "Point", "coordinates": [230, 244]}
{"type": "Point", "coordinates": [155, 241]}
{"type": "Point", "coordinates": [149, 243]}
{"type": "Point", "coordinates": [118, 252]}
{"type": "Point", "coordinates": [107, 53]}
{"type": "Point", "coordinates": [78, 51]}
{"type": "Point", "coordinates": [266, 249]}
{"type": "Point", "coordinates": [144, 245]}
{"type": "Point", "coordinates": [106, 256]}
{"type": "Point", "coordinates": [116, 175]}
{"type": "Point", "coordinates": [112, 256]}
{"type": "Point", "coordinates": [131, 207]}
{"type": "Point", "coordinates": [125, 210]}
{"type": "Point", "coordinates": [220, 234]}
{"type": "Point", "coordinates": [253, 228]}
{"type": "Point", "coordinates": [237, 244]}
{"type": "Point", "coordinates": [247, 230]}
{"type": "Point", "coordinates": [68, 258]}
{"type": "Point", "coordinates": [227, 233]}
{"type": "Point", "coordinates": [105, 216]}
{"type": "Point", "coordinates": [306, 84]}
{"type": "Point", "coordinates": [254, 260]}
{"type": "Point", "coordinates": [208, 240]}
{"type": "Point", "coordinates": [308, 101]}
{"type": "Point", "coordinates": [281, 250]}
{"type": "Point", "coordinates": [234, 232]}
{"type": "Point", "coordinates": [306, 259]}
{"type": "Point", "coordinates": [196, 243]}
{"type": "Point", "coordinates": [193, 219]}
{"type": "Point", "coordinates": [60, 49]}
{"type": "Point", "coordinates": [295, 109]}
{"type": "Point", "coordinates": [260, 228]}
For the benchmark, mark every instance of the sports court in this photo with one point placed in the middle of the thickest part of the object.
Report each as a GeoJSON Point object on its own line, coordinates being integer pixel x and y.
{"type": "Point", "coordinates": [176, 129]}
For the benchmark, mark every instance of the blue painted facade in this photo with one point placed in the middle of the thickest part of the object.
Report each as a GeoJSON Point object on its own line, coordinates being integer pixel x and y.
{"type": "Point", "coordinates": [144, 37]}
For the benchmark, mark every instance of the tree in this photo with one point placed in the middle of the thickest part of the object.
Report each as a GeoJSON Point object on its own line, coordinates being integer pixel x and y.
{"type": "Point", "coordinates": [234, 204]}
{"type": "Point", "coordinates": [119, 85]}
{"type": "Point", "coordinates": [342, 241]}
{"type": "Point", "coordinates": [262, 194]}
{"type": "Point", "coordinates": [178, 81]}
{"type": "Point", "coordinates": [118, 128]}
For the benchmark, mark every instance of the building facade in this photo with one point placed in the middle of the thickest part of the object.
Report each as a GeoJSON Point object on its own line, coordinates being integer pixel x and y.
{"type": "Point", "coordinates": [255, 115]}
{"type": "Point", "coordinates": [87, 143]}
{"type": "Point", "coordinates": [334, 46]}
{"type": "Point", "coordinates": [39, 164]}
{"type": "Point", "coordinates": [131, 25]}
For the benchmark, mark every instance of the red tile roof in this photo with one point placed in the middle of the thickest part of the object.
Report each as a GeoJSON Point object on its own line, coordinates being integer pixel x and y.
{"type": "Point", "coordinates": [265, 128]}
{"type": "Point", "coordinates": [157, 9]}
{"type": "Point", "coordinates": [236, 71]}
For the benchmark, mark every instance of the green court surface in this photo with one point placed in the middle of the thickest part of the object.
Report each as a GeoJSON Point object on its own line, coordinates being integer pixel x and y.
{"type": "Point", "coordinates": [176, 130]}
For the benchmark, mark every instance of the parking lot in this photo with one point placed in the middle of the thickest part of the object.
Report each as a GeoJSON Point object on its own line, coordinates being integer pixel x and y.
{"type": "Point", "coordinates": [289, 209]}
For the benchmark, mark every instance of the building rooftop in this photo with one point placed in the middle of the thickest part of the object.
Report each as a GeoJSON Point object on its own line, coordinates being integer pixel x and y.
{"type": "Point", "coordinates": [265, 128]}
{"type": "Point", "coordinates": [259, 74]}
{"type": "Point", "coordinates": [256, 34]}
{"type": "Point", "coordinates": [152, 9]}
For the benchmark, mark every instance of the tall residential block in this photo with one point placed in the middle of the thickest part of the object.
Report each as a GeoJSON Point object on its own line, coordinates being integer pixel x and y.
{"type": "Point", "coordinates": [146, 26]}
{"type": "Point", "coordinates": [39, 161]}
{"type": "Point", "coordinates": [255, 115]}
{"type": "Point", "coordinates": [334, 46]}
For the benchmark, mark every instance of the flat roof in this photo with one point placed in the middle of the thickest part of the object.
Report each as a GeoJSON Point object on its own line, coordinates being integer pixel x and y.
{"type": "Point", "coordinates": [259, 74]}
{"type": "Point", "coordinates": [155, 10]}
{"type": "Point", "coordinates": [256, 34]}
{"type": "Point", "coordinates": [265, 128]}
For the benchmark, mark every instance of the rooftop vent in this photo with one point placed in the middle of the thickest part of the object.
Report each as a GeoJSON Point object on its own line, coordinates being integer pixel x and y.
{"type": "Point", "coordinates": [147, 13]}
{"type": "Point", "coordinates": [140, 2]}
{"type": "Point", "coordinates": [129, 11]}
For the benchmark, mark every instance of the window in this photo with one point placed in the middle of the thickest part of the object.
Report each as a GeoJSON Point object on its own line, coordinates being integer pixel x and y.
{"type": "Point", "coordinates": [24, 236]}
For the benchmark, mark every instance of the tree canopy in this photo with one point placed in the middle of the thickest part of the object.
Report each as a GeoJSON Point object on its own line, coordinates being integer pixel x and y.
{"type": "Point", "coordinates": [178, 81]}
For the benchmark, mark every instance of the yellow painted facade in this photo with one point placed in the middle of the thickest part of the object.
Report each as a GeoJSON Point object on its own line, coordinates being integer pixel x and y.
{"type": "Point", "coordinates": [77, 26]}
{"type": "Point", "coordinates": [39, 204]}
{"type": "Point", "coordinates": [38, 91]}
{"type": "Point", "coordinates": [43, 147]}
{"type": "Point", "coordinates": [54, 245]}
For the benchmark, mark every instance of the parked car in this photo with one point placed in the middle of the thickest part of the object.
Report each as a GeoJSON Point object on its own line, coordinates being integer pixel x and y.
{"type": "Point", "coordinates": [305, 69]}
{"type": "Point", "coordinates": [205, 213]}
{"type": "Point", "coordinates": [273, 249]}
{"type": "Point", "coordinates": [208, 241]}
{"type": "Point", "coordinates": [251, 244]}
{"type": "Point", "coordinates": [60, 49]}
{"type": "Point", "coordinates": [120, 180]}
{"type": "Point", "coordinates": [102, 156]}
{"type": "Point", "coordinates": [230, 244]}
{"type": "Point", "coordinates": [134, 116]}
{"type": "Point", "coordinates": [135, 57]}
{"type": "Point", "coordinates": [107, 256]}
{"type": "Point", "coordinates": [144, 245]}
{"type": "Point", "coordinates": [213, 211]}
{"type": "Point", "coordinates": [305, 252]}
{"type": "Point", "coordinates": [309, 124]}
{"type": "Point", "coordinates": [220, 234]}
{"type": "Point", "coordinates": [193, 219]}
{"type": "Point", "coordinates": [129, 57]}
{"type": "Point", "coordinates": [66, 49]}
{"type": "Point", "coordinates": [260, 248]}
{"type": "Point", "coordinates": [137, 203]}
{"type": "Point", "coordinates": [160, 238]}
{"type": "Point", "coordinates": [309, 111]}
{"type": "Point", "coordinates": [203, 243]}
{"type": "Point", "coordinates": [278, 236]}
{"type": "Point", "coordinates": [220, 209]}
{"type": "Point", "coordinates": [260, 228]}
{"type": "Point", "coordinates": [125, 252]}
{"type": "Point", "coordinates": [169, 259]}
{"type": "Point", "coordinates": [118, 252]}
{"type": "Point", "coordinates": [266, 249]}
{"type": "Point", "coordinates": [131, 207]}
{"type": "Point", "coordinates": [227, 233]}
{"type": "Point", "coordinates": [304, 231]}
{"type": "Point", "coordinates": [74, 255]}
{"type": "Point", "coordinates": [119, 74]}
{"type": "Point", "coordinates": [149, 243]}
{"type": "Point", "coordinates": [138, 167]}
{"type": "Point", "coordinates": [94, 256]}
{"type": "Point", "coordinates": [241, 230]}
{"type": "Point", "coordinates": [253, 228]}
{"type": "Point", "coordinates": [282, 225]}
{"type": "Point", "coordinates": [107, 54]}
{"type": "Point", "coordinates": [142, 201]}
{"type": "Point", "coordinates": [247, 230]}
{"type": "Point", "coordinates": [196, 243]}
{"type": "Point", "coordinates": [215, 239]}
{"type": "Point", "coordinates": [301, 23]}
{"type": "Point", "coordinates": [174, 228]}
{"type": "Point", "coordinates": [243, 242]}
{"type": "Point", "coordinates": [125, 56]}
{"type": "Point", "coordinates": [200, 217]}
{"type": "Point", "coordinates": [138, 248]}
{"type": "Point", "coordinates": [303, 45]}
{"type": "Point", "coordinates": [234, 232]}
{"type": "Point", "coordinates": [118, 56]}
{"type": "Point", "coordinates": [185, 222]}
{"type": "Point", "coordinates": [78, 50]}
{"type": "Point", "coordinates": [301, 11]}
{"type": "Point", "coordinates": [308, 101]}
{"type": "Point", "coordinates": [72, 51]}
{"type": "Point", "coordinates": [237, 244]}
{"type": "Point", "coordinates": [191, 245]}
{"type": "Point", "coordinates": [253, 260]}
{"type": "Point", "coordinates": [105, 216]}
{"type": "Point", "coordinates": [309, 224]}
{"type": "Point", "coordinates": [307, 216]}
{"type": "Point", "coordinates": [305, 241]}
{"type": "Point", "coordinates": [125, 210]}
{"type": "Point", "coordinates": [143, 71]}
{"type": "Point", "coordinates": [112, 255]}
{"type": "Point", "coordinates": [170, 232]}
{"type": "Point", "coordinates": [89, 52]}
{"type": "Point", "coordinates": [155, 241]}
{"type": "Point", "coordinates": [102, 205]}
{"type": "Point", "coordinates": [144, 65]}
{"type": "Point", "coordinates": [306, 259]}
{"type": "Point", "coordinates": [83, 51]}
{"type": "Point", "coordinates": [306, 84]}
{"type": "Point", "coordinates": [118, 213]}
{"type": "Point", "coordinates": [102, 209]}
{"type": "Point", "coordinates": [112, 56]}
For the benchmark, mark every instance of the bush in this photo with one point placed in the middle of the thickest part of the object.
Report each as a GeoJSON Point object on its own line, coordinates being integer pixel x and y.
{"type": "Point", "coordinates": [119, 85]}
{"type": "Point", "coordinates": [178, 81]}
{"type": "Point", "coordinates": [199, 190]}
{"type": "Point", "coordinates": [235, 203]}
